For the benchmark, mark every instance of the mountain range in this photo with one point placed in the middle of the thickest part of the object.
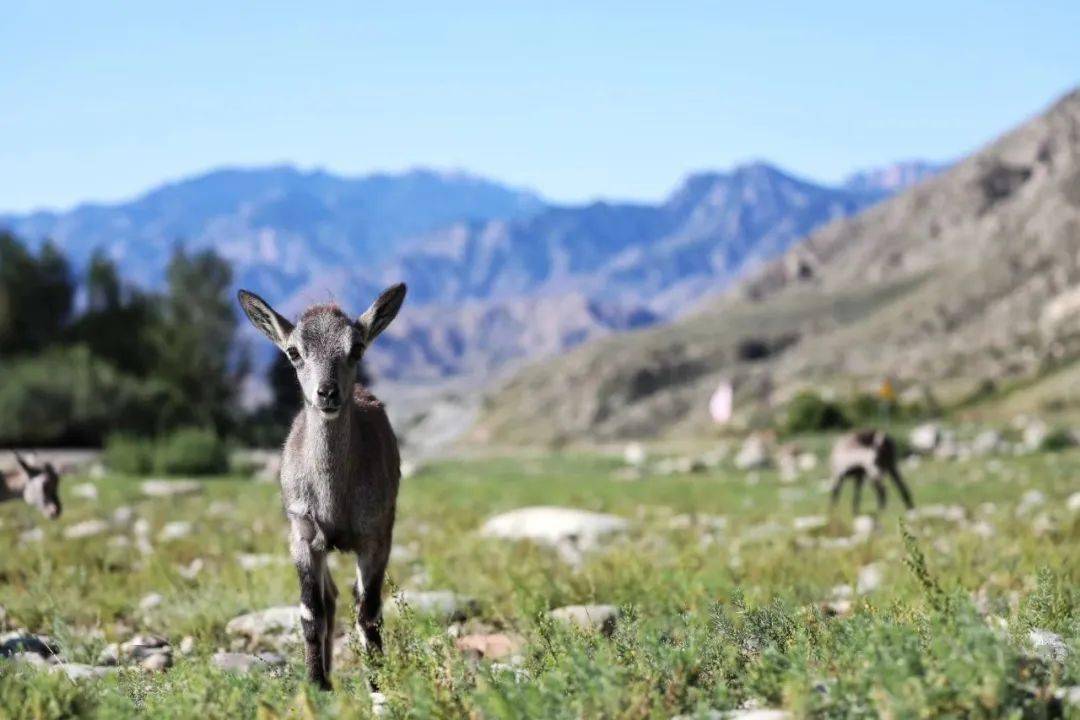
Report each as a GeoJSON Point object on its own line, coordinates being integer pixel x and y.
{"type": "Point", "coordinates": [496, 274]}
{"type": "Point", "coordinates": [965, 282]}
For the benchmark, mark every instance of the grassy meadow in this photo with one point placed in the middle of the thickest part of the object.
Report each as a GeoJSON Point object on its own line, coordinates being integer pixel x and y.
{"type": "Point", "coordinates": [728, 597]}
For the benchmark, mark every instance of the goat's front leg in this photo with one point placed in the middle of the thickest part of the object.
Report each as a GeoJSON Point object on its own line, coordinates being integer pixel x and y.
{"type": "Point", "coordinates": [371, 563]}
{"type": "Point", "coordinates": [311, 570]}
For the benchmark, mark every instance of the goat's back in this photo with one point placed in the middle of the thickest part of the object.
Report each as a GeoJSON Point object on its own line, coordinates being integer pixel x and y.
{"type": "Point", "coordinates": [868, 450]}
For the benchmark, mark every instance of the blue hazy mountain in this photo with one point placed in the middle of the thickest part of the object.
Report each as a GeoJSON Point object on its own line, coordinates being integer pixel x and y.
{"type": "Point", "coordinates": [495, 273]}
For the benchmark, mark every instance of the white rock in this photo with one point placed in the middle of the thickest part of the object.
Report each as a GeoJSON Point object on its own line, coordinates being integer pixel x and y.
{"type": "Point", "coordinates": [987, 442]}
{"type": "Point", "coordinates": [554, 525]}
{"type": "Point", "coordinates": [1029, 501]}
{"type": "Point", "coordinates": [1073, 503]}
{"type": "Point", "coordinates": [156, 662]}
{"type": "Point", "coordinates": [170, 488]}
{"type": "Point", "coordinates": [176, 530]}
{"type": "Point", "coordinates": [151, 601]}
{"type": "Point", "coordinates": [191, 570]}
{"type": "Point", "coordinates": [925, 437]}
{"type": "Point", "coordinates": [282, 620]}
{"type": "Point", "coordinates": [863, 526]}
{"type": "Point", "coordinates": [807, 523]}
{"type": "Point", "coordinates": [123, 515]}
{"type": "Point", "coordinates": [187, 645]}
{"type": "Point", "coordinates": [86, 529]}
{"type": "Point", "coordinates": [442, 603]}
{"type": "Point", "coordinates": [86, 491]}
{"type": "Point", "coordinates": [254, 561]}
{"type": "Point", "coordinates": [245, 662]}
{"type": "Point", "coordinates": [33, 535]}
{"type": "Point", "coordinates": [78, 671]}
{"type": "Point", "coordinates": [870, 578]}
{"type": "Point", "coordinates": [221, 508]}
{"type": "Point", "coordinates": [753, 455]}
{"type": "Point", "coordinates": [1048, 645]}
{"type": "Point", "coordinates": [601, 618]}
{"type": "Point", "coordinates": [951, 513]}
{"type": "Point", "coordinates": [634, 454]}
{"type": "Point", "coordinates": [379, 705]}
{"type": "Point", "coordinates": [1034, 434]}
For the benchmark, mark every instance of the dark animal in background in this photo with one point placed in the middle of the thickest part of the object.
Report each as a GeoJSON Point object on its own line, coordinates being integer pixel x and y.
{"type": "Point", "coordinates": [37, 484]}
{"type": "Point", "coordinates": [867, 455]}
{"type": "Point", "coordinates": [340, 468]}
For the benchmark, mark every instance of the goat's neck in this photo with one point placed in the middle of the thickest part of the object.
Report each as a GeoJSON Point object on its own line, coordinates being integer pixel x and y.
{"type": "Point", "coordinates": [326, 443]}
{"type": "Point", "coordinates": [11, 486]}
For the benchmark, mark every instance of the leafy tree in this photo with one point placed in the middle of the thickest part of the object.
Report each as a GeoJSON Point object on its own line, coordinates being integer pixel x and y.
{"type": "Point", "coordinates": [36, 295]}
{"type": "Point", "coordinates": [119, 322]}
{"type": "Point", "coordinates": [195, 342]}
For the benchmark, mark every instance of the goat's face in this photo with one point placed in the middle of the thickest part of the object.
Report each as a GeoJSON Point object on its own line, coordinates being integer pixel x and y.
{"type": "Point", "coordinates": [42, 488]}
{"type": "Point", "coordinates": [325, 345]}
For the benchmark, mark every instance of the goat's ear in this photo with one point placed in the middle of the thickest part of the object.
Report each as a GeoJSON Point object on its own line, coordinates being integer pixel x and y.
{"type": "Point", "coordinates": [265, 318]}
{"type": "Point", "coordinates": [382, 311]}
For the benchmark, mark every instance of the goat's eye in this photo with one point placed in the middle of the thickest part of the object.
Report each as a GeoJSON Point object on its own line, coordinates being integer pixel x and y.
{"type": "Point", "coordinates": [293, 354]}
{"type": "Point", "coordinates": [356, 352]}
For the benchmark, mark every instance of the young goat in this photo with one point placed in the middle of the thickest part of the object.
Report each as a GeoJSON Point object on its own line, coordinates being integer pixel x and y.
{"type": "Point", "coordinates": [866, 454]}
{"type": "Point", "coordinates": [38, 485]}
{"type": "Point", "coordinates": [340, 468]}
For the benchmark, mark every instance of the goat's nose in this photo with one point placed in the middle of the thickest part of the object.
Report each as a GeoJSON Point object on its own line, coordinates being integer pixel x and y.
{"type": "Point", "coordinates": [328, 391]}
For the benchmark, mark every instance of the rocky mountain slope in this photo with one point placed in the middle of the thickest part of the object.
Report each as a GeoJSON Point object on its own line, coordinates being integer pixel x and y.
{"type": "Point", "coordinates": [969, 277]}
{"type": "Point", "coordinates": [496, 276]}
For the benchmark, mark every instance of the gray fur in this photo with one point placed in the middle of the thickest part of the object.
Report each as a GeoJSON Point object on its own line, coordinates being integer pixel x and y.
{"type": "Point", "coordinates": [340, 468]}
{"type": "Point", "coordinates": [862, 455]}
{"type": "Point", "coordinates": [37, 484]}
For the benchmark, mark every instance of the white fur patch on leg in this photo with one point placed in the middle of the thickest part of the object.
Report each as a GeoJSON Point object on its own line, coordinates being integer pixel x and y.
{"type": "Point", "coordinates": [305, 613]}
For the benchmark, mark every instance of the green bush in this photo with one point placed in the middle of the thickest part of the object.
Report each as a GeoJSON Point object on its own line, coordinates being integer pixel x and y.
{"type": "Point", "coordinates": [128, 455]}
{"type": "Point", "coordinates": [1057, 440]}
{"type": "Point", "coordinates": [191, 451]}
{"type": "Point", "coordinates": [68, 396]}
{"type": "Point", "coordinates": [809, 412]}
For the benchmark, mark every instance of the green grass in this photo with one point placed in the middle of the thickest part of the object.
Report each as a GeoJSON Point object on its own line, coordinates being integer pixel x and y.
{"type": "Point", "coordinates": [710, 620]}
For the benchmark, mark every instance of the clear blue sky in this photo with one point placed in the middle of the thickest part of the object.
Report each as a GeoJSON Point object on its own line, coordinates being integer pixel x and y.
{"type": "Point", "coordinates": [100, 101]}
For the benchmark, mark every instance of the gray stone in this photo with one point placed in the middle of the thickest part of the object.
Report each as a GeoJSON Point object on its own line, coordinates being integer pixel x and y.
{"type": "Point", "coordinates": [445, 604]}
{"type": "Point", "coordinates": [86, 491]}
{"type": "Point", "coordinates": [86, 529]}
{"type": "Point", "coordinates": [283, 620]}
{"type": "Point", "coordinates": [170, 488]}
{"type": "Point", "coordinates": [176, 530]}
{"type": "Point", "coordinates": [925, 437]}
{"type": "Point", "coordinates": [1048, 645]}
{"type": "Point", "coordinates": [78, 671]}
{"type": "Point", "coordinates": [753, 455]}
{"type": "Point", "coordinates": [601, 618]}
{"type": "Point", "coordinates": [156, 662]}
{"type": "Point", "coordinates": [554, 525]}
{"type": "Point", "coordinates": [246, 662]}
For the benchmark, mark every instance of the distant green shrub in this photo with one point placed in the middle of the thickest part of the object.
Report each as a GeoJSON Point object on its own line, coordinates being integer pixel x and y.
{"type": "Point", "coordinates": [191, 451]}
{"type": "Point", "coordinates": [809, 412]}
{"type": "Point", "coordinates": [68, 396]}
{"type": "Point", "coordinates": [1057, 440]}
{"type": "Point", "coordinates": [128, 455]}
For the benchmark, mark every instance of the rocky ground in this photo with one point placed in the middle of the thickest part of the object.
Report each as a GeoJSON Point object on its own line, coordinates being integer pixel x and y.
{"type": "Point", "coordinates": [712, 584]}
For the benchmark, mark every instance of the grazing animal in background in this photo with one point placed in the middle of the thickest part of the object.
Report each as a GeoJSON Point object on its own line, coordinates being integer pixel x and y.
{"type": "Point", "coordinates": [37, 484]}
{"type": "Point", "coordinates": [340, 467]}
{"type": "Point", "coordinates": [862, 455]}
